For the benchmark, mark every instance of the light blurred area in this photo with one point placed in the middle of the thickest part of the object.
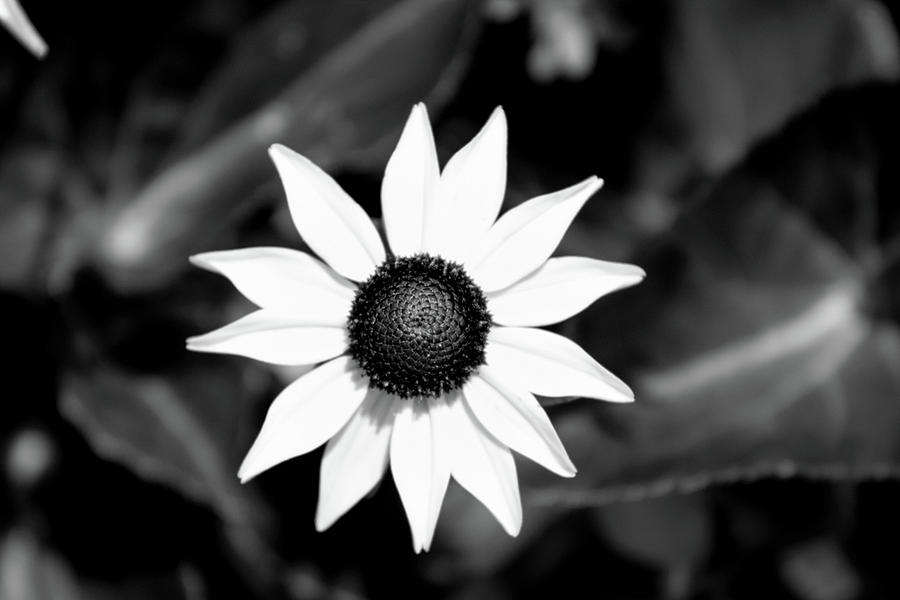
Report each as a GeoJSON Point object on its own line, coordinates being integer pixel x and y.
{"type": "Point", "coordinates": [751, 153]}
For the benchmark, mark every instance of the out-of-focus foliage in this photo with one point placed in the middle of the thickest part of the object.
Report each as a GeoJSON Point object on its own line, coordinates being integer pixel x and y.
{"type": "Point", "coordinates": [772, 340]}
{"type": "Point", "coordinates": [336, 107]}
{"type": "Point", "coordinates": [750, 154]}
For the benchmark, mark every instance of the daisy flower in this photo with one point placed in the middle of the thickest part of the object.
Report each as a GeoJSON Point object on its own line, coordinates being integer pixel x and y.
{"type": "Point", "coordinates": [428, 354]}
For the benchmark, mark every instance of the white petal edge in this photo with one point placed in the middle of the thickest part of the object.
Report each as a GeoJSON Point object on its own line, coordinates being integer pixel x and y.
{"type": "Point", "coordinates": [274, 338]}
{"type": "Point", "coordinates": [328, 220]}
{"type": "Point", "coordinates": [470, 192]}
{"type": "Point", "coordinates": [305, 415]}
{"type": "Point", "coordinates": [526, 235]}
{"type": "Point", "coordinates": [410, 183]}
{"type": "Point", "coordinates": [561, 288]}
{"type": "Point", "coordinates": [483, 466]}
{"type": "Point", "coordinates": [355, 458]}
{"type": "Point", "coordinates": [419, 467]}
{"type": "Point", "coordinates": [515, 418]}
{"type": "Point", "coordinates": [548, 364]}
{"type": "Point", "coordinates": [17, 22]}
{"type": "Point", "coordinates": [284, 280]}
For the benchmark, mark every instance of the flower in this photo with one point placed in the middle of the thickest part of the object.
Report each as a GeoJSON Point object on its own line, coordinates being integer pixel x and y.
{"type": "Point", "coordinates": [15, 19]}
{"type": "Point", "coordinates": [430, 355]}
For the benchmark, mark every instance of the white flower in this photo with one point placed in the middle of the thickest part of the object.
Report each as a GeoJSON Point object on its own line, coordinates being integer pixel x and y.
{"type": "Point", "coordinates": [430, 356]}
{"type": "Point", "coordinates": [15, 19]}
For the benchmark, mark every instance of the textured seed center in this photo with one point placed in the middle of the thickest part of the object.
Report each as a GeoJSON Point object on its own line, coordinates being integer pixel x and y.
{"type": "Point", "coordinates": [418, 326]}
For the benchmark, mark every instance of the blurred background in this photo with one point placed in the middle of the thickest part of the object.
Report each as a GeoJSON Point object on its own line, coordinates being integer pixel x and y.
{"type": "Point", "coordinates": [750, 150]}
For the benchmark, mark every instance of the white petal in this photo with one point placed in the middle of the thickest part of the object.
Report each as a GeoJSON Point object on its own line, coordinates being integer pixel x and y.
{"type": "Point", "coordinates": [284, 280]}
{"type": "Point", "coordinates": [355, 459]}
{"type": "Point", "coordinates": [274, 338]}
{"type": "Point", "coordinates": [515, 418]}
{"type": "Point", "coordinates": [410, 184]}
{"type": "Point", "coordinates": [470, 193]}
{"type": "Point", "coordinates": [330, 221]}
{"type": "Point", "coordinates": [548, 364]}
{"type": "Point", "coordinates": [561, 288]}
{"type": "Point", "coordinates": [483, 466]}
{"type": "Point", "coordinates": [15, 19]}
{"type": "Point", "coordinates": [305, 414]}
{"type": "Point", "coordinates": [420, 469]}
{"type": "Point", "coordinates": [526, 235]}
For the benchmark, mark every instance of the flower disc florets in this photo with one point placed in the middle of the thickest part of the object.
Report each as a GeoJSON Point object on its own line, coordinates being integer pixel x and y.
{"type": "Point", "coordinates": [418, 326]}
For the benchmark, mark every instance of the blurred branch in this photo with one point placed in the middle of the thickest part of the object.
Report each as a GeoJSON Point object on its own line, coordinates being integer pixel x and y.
{"type": "Point", "coordinates": [338, 109]}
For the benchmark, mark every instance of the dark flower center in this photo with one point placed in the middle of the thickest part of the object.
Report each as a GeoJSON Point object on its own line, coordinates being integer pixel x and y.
{"type": "Point", "coordinates": [418, 326]}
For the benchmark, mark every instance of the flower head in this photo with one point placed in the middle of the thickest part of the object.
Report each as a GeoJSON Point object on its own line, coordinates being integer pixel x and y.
{"type": "Point", "coordinates": [429, 357]}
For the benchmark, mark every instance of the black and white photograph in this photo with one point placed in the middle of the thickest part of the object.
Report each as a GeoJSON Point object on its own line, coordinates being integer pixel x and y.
{"type": "Point", "coordinates": [450, 299]}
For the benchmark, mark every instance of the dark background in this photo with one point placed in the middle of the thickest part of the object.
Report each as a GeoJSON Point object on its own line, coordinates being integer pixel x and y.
{"type": "Point", "coordinates": [750, 150]}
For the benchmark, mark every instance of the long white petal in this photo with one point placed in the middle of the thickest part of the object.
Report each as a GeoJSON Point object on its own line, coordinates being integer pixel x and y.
{"type": "Point", "coordinates": [563, 287]}
{"type": "Point", "coordinates": [275, 338]}
{"type": "Point", "coordinates": [419, 467]}
{"type": "Point", "coordinates": [515, 418]}
{"type": "Point", "coordinates": [526, 235]}
{"type": "Point", "coordinates": [284, 280]}
{"type": "Point", "coordinates": [410, 184]}
{"type": "Point", "coordinates": [470, 193]}
{"type": "Point", "coordinates": [15, 19]}
{"type": "Point", "coordinates": [306, 414]}
{"type": "Point", "coordinates": [483, 466]}
{"type": "Point", "coordinates": [548, 364]}
{"type": "Point", "coordinates": [330, 221]}
{"type": "Point", "coordinates": [355, 459]}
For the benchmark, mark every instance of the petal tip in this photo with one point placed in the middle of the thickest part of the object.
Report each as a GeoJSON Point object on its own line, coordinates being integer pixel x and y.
{"type": "Point", "coordinates": [322, 523]}
{"type": "Point", "coordinates": [281, 155]}
{"type": "Point", "coordinates": [195, 343]}
{"type": "Point", "coordinates": [626, 397]}
{"type": "Point", "coordinates": [247, 470]}
{"type": "Point", "coordinates": [276, 149]}
{"type": "Point", "coordinates": [202, 261]}
{"type": "Point", "coordinates": [514, 528]}
{"type": "Point", "coordinates": [617, 390]}
{"type": "Point", "coordinates": [497, 120]}
{"type": "Point", "coordinates": [595, 184]}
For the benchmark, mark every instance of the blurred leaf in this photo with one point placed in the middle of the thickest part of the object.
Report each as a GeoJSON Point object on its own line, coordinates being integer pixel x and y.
{"type": "Point", "coordinates": [664, 532]}
{"type": "Point", "coordinates": [267, 56]}
{"type": "Point", "coordinates": [29, 176]}
{"type": "Point", "coordinates": [29, 570]}
{"type": "Point", "coordinates": [760, 356]}
{"type": "Point", "coordinates": [672, 534]}
{"type": "Point", "coordinates": [819, 570]}
{"type": "Point", "coordinates": [178, 430]}
{"type": "Point", "coordinates": [339, 110]}
{"type": "Point", "coordinates": [738, 69]}
{"type": "Point", "coordinates": [161, 94]}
